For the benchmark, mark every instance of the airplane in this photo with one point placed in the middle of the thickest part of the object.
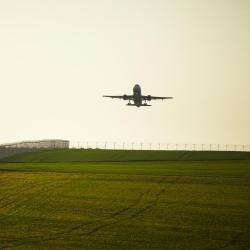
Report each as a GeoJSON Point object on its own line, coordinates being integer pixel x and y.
{"type": "Point", "coordinates": [138, 99]}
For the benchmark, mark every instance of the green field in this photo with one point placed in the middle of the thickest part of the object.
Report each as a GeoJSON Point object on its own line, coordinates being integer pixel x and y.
{"type": "Point", "coordinates": [48, 201]}
{"type": "Point", "coordinates": [99, 155]}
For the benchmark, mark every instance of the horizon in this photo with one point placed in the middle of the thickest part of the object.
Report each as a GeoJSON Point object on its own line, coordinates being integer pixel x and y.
{"type": "Point", "coordinates": [122, 145]}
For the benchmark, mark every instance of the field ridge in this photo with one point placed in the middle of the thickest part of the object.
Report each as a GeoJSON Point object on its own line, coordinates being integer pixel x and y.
{"type": "Point", "coordinates": [101, 155]}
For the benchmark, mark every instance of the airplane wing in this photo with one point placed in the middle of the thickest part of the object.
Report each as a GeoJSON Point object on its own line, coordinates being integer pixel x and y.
{"type": "Point", "coordinates": [149, 97]}
{"type": "Point", "coordinates": [124, 97]}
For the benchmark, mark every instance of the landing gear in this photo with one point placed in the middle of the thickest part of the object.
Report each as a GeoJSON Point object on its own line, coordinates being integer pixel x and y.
{"type": "Point", "coordinates": [145, 104]}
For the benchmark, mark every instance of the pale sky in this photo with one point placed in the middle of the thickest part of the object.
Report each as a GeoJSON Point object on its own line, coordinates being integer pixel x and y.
{"type": "Point", "coordinates": [57, 59]}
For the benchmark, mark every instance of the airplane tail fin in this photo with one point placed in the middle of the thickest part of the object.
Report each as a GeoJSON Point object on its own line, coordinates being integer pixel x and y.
{"type": "Point", "coordinates": [145, 105]}
{"type": "Point", "coordinates": [130, 104]}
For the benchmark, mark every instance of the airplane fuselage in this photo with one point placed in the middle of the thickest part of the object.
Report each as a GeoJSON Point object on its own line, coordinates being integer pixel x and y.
{"type": "Point", "coordinates": [137, 95]}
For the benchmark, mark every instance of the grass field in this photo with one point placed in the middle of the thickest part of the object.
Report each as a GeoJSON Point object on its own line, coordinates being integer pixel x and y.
{"type": "Point", "coordinates": [99, 155]}
{"type": "Point", "coordinates": [125, 205]}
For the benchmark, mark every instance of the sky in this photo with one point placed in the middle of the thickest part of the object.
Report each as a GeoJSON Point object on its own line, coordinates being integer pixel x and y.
{"type": "Point", "coordinates": [57, 59]}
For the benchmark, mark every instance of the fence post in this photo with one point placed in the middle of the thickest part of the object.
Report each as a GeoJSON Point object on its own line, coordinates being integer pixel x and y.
{"type": "Point", "coordinates": [150, 146]}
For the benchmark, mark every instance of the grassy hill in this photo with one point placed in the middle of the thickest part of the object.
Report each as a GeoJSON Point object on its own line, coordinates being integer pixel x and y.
{"type": "Point", "coordinates": [99, 155]}
{"type": "Point", "coordinates": [119, 199]}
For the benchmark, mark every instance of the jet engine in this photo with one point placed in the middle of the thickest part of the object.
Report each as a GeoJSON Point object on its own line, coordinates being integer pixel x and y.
{"type": "Point", "coordinates": [125, 97]}
{"type": "Point", "coordinates": [149, 97]}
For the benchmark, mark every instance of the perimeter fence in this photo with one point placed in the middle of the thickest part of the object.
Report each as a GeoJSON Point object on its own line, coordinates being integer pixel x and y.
{"type": "Point", "coordinates": [157, 146]}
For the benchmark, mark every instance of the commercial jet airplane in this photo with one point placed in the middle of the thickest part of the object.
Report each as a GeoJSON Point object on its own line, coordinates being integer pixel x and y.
{"type": "Point", "coordinates": [138, 99]}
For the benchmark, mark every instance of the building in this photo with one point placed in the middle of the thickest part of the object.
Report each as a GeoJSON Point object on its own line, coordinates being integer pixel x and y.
{"type": "Point", "coordinates": [46, 144]}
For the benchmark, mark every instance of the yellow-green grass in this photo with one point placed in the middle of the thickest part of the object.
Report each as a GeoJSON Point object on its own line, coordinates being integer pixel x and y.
{"type": "Point", "coordinates": [126, 205]}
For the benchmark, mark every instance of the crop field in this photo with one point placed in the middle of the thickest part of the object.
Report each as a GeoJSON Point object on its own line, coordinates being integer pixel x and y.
{"type": "Point", "coordinates": [124, 205]}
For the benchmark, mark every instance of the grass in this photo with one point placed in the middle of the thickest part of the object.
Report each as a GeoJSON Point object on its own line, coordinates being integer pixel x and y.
{"type": "Point", "coordinates": [125, 205]}
{"type": "Point", "coordinates": [83, 155]}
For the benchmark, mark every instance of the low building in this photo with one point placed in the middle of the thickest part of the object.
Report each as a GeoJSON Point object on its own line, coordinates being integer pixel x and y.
{"type": "Point", "coordinates": [47, 144]}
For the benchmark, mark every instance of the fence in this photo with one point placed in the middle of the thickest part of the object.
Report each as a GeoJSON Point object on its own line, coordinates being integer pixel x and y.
{"type": "Point", "coordinates": [157, 146]}
{"type": "Point", "coordinates": [5, 151]}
